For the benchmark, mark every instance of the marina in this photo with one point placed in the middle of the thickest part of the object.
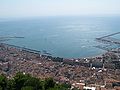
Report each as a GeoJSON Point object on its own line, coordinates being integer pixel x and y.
{"type": "Point", "coordinates": [59, 44]}
{"type": "Point", "coordinates": [89, 71]}
{"type": "Point", "coordinates": [60, 39]}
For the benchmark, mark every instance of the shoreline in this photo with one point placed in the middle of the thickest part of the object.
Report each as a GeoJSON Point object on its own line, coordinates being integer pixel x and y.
{"type": "Point", "coordinates": [46, 54]}
{"type": "Point", "coordinates": [53, 58]}
{"type": "Point", "coordinates": [16, 59]}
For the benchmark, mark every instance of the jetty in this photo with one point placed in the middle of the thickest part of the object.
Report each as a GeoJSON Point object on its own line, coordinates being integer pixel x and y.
{"type": "Point", "coordinates": [22, 48]}
{"type": "Point", "coordinates": [109, 35]}
{"type": "Point", "coordinates": [3, 39]}
{"type": "Point", "coordinates": [110, 44]}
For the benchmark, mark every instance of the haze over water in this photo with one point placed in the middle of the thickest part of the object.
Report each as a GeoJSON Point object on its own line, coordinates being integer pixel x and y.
{"type": "Point", "coordinates": [68, 37]}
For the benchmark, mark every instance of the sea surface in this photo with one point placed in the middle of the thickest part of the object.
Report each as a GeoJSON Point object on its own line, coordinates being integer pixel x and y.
{"type": "Point", "coordinates": [68, 37]}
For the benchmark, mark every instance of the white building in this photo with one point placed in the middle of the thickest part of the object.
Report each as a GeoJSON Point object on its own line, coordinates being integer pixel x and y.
{"type": "Point", "coordinates": [89, 88]}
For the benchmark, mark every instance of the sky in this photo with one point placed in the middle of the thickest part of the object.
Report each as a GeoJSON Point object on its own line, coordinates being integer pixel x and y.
{"type": "Point", "coordinates": [33, 8]}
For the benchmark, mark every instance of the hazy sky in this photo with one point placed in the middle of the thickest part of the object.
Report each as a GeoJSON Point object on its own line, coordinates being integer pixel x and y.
{"type": "Point", "coordinates": [30, 8]}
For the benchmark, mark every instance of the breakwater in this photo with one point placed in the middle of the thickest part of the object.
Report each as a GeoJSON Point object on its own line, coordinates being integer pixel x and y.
{"type": "Point", "coordinates": [47, 55]}
{"type": "Point", "coordinates": [22, 48]}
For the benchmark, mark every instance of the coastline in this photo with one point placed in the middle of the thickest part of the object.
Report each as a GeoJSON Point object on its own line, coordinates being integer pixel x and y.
{"type": "Point", "coordinates": [17, 59]}
{"type": "Point", "coordinates": [46, 54]}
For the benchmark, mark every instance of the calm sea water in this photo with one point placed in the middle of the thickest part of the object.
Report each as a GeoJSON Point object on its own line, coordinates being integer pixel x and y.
{"type": "Point", "coordinates": [68, 37]}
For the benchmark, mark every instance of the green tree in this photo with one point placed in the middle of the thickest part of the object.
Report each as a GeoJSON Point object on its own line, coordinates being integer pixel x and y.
{"type": "Point", "coordinates": [27, 88]}
{"type": "Point", "coordinates": [0, 88]}
{"type": "Point", "coordinates": [33, 82]}
{"type": "Point", "coordinates": [66, 85]}
{"type": "Point", "coordinates": [3, 82]}
{"type": "Point", "coordinates": [49, 83]}
{"type": "Point", "coordinates": [11, 84]}
{"type": "Point", "coordinates": [20, 79]}
{"type": "Point", "coordinates": [26, 82]}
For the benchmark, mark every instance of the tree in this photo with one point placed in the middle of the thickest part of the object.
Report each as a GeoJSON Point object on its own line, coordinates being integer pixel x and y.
{"type": "Point", "coordinates": [27, 88]}
{"type": "Point", "coordinates": [66, 85]}
{"type": "Point", "coordinates": [11, 84]}
{"type": "Point", "coordinates": [26, 82]}
{"type": "Point", "coordinates": [33, 82]}
{"type": "Point", "coordinates": [49, 83]}
{"type": "Point", "coordinates": [3, 82]}
{"type": "Point", "coordinates": [20, 79]}
{"type": "Point", "coordinates": [0, 88]}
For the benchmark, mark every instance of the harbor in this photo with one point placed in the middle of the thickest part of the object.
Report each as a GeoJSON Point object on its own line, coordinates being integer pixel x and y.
{"type": "Point", "coordinates": [59, 44]}
{"type": "Point", "coordinates": [95, 71]}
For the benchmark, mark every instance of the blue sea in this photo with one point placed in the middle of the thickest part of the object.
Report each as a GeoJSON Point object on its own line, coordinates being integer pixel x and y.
{"type": "Point", "coordinates": [67, 37]}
